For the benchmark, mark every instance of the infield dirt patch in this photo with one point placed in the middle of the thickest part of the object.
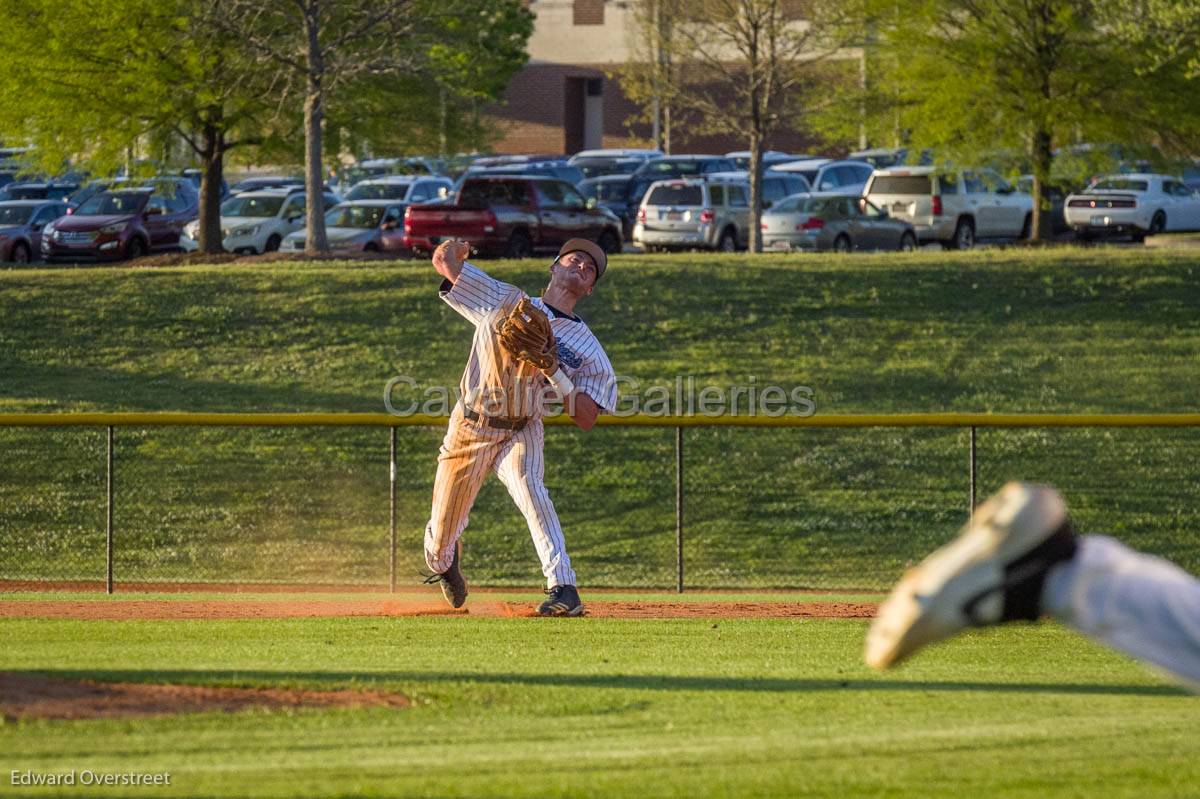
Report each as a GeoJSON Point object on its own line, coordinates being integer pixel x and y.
{"type": "Point", "coordinates": [149, 609]}
{"type": "Point", "coordinates": [29, 696]}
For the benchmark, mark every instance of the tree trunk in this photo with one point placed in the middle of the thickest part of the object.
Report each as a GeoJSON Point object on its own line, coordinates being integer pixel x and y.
{"type": "Point", "coordinates": [1043, 156]}
{"type": "Point", "coordinates": [755, 192]}
{"type": "Point", "coordinates": [315, 240]}
{"type": "Point", "coordinates": [210, 191]}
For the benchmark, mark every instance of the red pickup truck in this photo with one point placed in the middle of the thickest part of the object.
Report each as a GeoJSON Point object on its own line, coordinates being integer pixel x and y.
{"type": "Point", "coordinates": [514, 216]}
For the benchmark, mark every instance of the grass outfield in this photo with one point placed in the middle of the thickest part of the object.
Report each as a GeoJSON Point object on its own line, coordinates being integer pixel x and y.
{"type": "Point", "coordinates": [601, 708]}
{"type": "Point", "coordinates": [1008, 331]}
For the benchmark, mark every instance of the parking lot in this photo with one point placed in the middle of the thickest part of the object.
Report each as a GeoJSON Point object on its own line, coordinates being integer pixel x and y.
{"type": "Point", "coordinates": [630, 201]}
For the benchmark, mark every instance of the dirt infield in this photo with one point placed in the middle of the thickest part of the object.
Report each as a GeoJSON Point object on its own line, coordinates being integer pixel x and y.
{"type": "Point", "coordinates": [139, 609]}
{"type": "Point", "coordinates": [28, 696]}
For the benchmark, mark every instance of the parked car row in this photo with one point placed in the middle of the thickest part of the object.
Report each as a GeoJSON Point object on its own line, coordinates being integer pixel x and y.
{"type": "Point", "coordinates": [517, 206]}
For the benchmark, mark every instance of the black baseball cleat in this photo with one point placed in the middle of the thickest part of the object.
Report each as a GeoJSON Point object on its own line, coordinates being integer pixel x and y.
{"type": "Point", "coordinates": [563, 601]}
{"type": "Point", "coordinates": [993, 572]}
{"type": "Point", "coordinates": [454, 585]}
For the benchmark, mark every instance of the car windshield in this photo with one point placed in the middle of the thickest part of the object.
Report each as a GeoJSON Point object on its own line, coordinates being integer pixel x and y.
{"type": "Point", "coordinates": [676, 195]}
{"type": "Point", "coordinates": [113, 204]}
{"type": "Point", "coordinates": [379, 191]}
{"type": "Point", "coordinates": [28, 192]}
{"type": "Point", "coordinates": [665, 165]}
{"type": "Point", "coordinates": [829, 206]}
{"type": "Point", "coordinates": [1119, 184]}
{"type": "Point", "coordinates": [360, 216]}
{"type": "Point", "coordinates": [15, 214]}
{"type": "Point", "coordinates": [787, 205]}
{"type": "Point", "coordinates": [252, 206]}
{"type": "Point", "coordinates": [605, 191]}
{"type": "Point", "coordinates": [88, 192]}
{"type": "Point", "coordinates": [901, 184]}
{"type": "Point", "coordinates": [482, 193]}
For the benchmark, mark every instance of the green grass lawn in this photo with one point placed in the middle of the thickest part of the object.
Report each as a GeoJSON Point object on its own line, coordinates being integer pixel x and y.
{"type": "Point", "coordinates": [1005, 330]}
{"type": "Point", "coordinates": [596, 708]}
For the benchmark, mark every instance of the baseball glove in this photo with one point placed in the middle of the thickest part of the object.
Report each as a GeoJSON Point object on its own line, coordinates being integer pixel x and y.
{"type": "Point", "coordinates": [525, 334]}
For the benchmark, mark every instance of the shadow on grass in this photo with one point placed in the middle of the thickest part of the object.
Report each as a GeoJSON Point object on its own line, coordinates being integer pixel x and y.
{"type": "Point", "coordinates": [647, 682]}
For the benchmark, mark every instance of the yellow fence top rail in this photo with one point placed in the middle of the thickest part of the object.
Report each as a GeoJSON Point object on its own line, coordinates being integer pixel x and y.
{"type": "Point", "coordinates": [421, 420]}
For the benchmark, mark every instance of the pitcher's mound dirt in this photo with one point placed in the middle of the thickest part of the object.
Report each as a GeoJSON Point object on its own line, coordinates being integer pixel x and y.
{"type": "Point", "coordinates": [477, 606]}
{"type": "Point", "coordinates": [28, 696]}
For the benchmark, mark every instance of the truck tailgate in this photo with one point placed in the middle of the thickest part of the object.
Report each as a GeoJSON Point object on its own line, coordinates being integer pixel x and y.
{"type": "Point", "coordinates": [447, 221]}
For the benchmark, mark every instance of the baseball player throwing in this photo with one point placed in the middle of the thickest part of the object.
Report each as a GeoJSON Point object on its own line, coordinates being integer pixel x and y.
{"type": "Point", "coordinates": [524, 352]}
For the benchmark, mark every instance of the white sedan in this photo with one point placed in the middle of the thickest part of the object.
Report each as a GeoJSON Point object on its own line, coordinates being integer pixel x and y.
{"type": "Point", "coordinates": [1138, 204]}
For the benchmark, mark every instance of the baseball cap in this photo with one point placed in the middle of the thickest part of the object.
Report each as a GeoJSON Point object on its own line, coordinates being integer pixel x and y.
{"type": "Point", "coordinates": [590, 248]}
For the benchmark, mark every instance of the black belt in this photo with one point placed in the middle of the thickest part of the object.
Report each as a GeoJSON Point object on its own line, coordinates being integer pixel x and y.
{"type": "Point", "coordinates": [495, 421]}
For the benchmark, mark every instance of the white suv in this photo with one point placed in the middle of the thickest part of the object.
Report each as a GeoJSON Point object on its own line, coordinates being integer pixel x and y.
{"type": "Point", "coordinates": [257, 221]}
{"type": "Point", "coordinates": [405, 188]}
{"type": "Point", "coordinates": [827, 175]}
{"type": "Point", "coordinates": [954, 208]}
{"type": "Point", "coordinates": [710, 213]}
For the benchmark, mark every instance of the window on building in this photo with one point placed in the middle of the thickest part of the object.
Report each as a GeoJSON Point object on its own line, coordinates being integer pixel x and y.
{"type": "Point", "coordinates": [589, 12]}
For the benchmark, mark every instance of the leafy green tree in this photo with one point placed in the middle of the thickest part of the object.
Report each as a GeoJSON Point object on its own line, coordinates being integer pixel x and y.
{"type": "Point", "coordinates": [973, 78]}
{"type": "Point", "coordinates": [747, 67]}
{"type": "Point", "coordinates": [470, 59]}
{"type": "Point", "coordinates": [650, 76]}
{"type": "Point", "coordinates": [87, 82]}
{"type": "Point", "coordinates": [329, 50]}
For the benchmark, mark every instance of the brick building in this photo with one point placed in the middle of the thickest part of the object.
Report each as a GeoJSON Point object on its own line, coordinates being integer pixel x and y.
{"type": "Point", "coordinates": [567, 98]}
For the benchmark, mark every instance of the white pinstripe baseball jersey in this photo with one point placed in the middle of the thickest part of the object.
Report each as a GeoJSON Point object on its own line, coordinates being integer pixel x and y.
{"type": "Point", "coordinates": [492, 383]}
{"type": "Point", "coordinates": [496, 385]}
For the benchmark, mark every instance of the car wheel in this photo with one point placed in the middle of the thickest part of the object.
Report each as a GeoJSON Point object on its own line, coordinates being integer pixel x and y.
{"type": "Point", "coordinates": [1027, 227]}
{"type": "Point", "coordinates": [20, 253]}
{"type": "Point", "coordinates": [273, 243]}
{"type": "Point", "coordinates": [371, 247]}
{"type": "Point", "coordinates": [964, 235]}
{"type": "Point", "coordinates": [728, 241]}
{"type": "Point", "coordinates": [1158, 223]}
{"type": "Point", "coordinates": [841, 243]}
{"type": "Point", "coordinates": [1082, 234]}
{"type": "Point", "coordinates": [135, 249]}
{"type": "Point", "coordinates": [609, 242]}
{"type": "Point", "coordinates": [908, 242]}
{"type": "Point", "coordinates": [519, 245]}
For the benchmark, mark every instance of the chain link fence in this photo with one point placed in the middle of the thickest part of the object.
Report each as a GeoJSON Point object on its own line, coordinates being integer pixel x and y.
{"type": "Point", "coordinates": [841, 508]}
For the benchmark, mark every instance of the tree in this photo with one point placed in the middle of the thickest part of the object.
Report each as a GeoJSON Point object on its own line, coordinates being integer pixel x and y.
{"type": "Point", "coordinates": [743, 67]}
{"type": "Point", "coordinates": [649, 77]}
{"type": "Point", "coordinates": [86, 82]}
{"type": "Point", "coordinates": [975, 77]}
{"type": "Point", "coordinates": [470, 59]}
{"type": "Point", "coordinates": [326, 48]}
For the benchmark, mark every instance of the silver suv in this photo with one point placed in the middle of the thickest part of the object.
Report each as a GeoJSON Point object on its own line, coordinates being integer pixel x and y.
{"type": "Point", "coordinates": [712, 213]}
{"type": "Point", "coordinates": [954, 208]}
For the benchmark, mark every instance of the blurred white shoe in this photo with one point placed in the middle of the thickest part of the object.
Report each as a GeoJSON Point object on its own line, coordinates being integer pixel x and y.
{"type": "Point", "coordinates": [993, 572]}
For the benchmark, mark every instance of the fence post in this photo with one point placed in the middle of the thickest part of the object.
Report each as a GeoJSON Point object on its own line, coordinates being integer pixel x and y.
{"type": "Point", "coordinates": [392, 516]}
{"type": "Point", "coordinates": [108, 526]}
{"type": "Point", "coordinates": [971, 507]}
{"type": "Point", "coordinates": [679, 507]}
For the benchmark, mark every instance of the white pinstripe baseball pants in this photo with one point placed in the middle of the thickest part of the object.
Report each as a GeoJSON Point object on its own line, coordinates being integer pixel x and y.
{"type": "Point", "coordinates": [469, 452]}
{"type": "Point", "coordinates": [1140, 604]}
